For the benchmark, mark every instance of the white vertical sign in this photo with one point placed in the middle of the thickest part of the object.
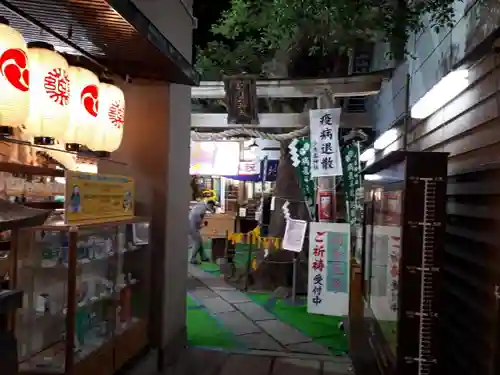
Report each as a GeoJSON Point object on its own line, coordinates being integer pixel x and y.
{"type": "Point", "coordinates": [385, 272]}
{"type": "Point", "coordinates": [329, 268]}
{"type": "Point", "coordinates": [325, 151]}
{"type": "Point", "coordinates": [393, 269]}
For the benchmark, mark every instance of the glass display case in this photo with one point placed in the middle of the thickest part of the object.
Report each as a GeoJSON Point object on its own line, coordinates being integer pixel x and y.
{"type": "Point", "coordinates": [85, 297]}
{"type": "Point", "coordinates": [133, 297]}
{"type": "Point", "coordinates": [404, 229]}
{"type": "Point", "coordinates": [5, 258]}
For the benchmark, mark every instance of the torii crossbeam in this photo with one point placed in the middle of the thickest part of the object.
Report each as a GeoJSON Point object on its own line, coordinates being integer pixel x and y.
{"type": "Point", "coordinates": [356, 85]}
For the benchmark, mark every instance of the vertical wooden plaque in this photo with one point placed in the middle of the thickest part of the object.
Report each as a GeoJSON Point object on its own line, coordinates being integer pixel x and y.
{"type": "Point", "coordinates": [241, 100]}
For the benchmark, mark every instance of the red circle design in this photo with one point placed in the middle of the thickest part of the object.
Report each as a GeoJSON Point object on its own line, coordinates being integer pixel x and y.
{"type": "Point", "coordinates": [14, 67]}
{"type": "Point", "coordinates": [90, 99]}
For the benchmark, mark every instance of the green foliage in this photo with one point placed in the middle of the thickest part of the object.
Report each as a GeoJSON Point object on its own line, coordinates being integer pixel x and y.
{"type": "Point", "coordinates": [220, 58]}
{"type": "Point", "coordinates": [253, 31]}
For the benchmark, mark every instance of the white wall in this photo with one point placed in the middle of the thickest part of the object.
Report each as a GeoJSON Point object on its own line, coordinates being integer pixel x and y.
{"type": "Point", "coordinates": [265, 145]}
{"type": "Point", "coordinates": [433, 56]}
{"type": "Point", "coordinates": [172, 19]}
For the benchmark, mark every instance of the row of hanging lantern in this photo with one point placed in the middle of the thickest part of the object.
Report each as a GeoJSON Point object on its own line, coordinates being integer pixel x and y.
{"type": "Point", "coordinates": [52, 101]}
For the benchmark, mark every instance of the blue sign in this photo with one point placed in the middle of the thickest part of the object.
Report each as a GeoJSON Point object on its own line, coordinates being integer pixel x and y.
{"type": "Point", "coordinates": [271, 169]}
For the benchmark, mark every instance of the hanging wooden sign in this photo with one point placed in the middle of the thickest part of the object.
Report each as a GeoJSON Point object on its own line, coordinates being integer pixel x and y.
{"type": "Point", "coordinates": [241, 100]}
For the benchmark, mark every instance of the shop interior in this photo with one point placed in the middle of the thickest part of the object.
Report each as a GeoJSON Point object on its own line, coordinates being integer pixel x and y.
{"type": "Point", "coordinates": [82, 288]}
{"type": "Point", "coordinates": [236, 187]}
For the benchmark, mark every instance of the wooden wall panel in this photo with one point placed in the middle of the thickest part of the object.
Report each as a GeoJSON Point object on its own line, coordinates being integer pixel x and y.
{"type": "Point", "coordinates": [469, 129]}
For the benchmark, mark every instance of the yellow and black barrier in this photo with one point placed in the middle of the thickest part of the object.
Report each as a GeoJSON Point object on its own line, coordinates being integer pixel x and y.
{"type": "Point", "coordinates": [255, 242]}
{"type": "Point", "coordinates": [254, 238]}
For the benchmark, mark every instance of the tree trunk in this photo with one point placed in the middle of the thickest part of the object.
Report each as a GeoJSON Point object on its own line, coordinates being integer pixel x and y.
{"type": "Point", "coordinates": [287, 189]}
{"type": "Point", "coordinates": [277, 270]}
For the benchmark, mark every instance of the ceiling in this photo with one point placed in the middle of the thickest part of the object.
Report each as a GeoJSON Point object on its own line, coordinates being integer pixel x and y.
{"type": "Point", "coordinates": [108, 35]}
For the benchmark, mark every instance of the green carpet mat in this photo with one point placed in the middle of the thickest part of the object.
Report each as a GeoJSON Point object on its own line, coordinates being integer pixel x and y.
{"type": "Point", "coordinates": [204, 330]}
{"type": "Point", "coordinates": [191, 303]}
{"type": "Point", "coordinates": [321, 328]}
{"type": "Point", "coordinates": [240, 258]}
{"type": "Point", "coordinates": [210, 268]}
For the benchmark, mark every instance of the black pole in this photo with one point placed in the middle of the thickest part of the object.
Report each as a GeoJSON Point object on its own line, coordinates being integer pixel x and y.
{"type": "Point", "coordinates": [249, 262]}
{"type": "Point", "coordinates": [407, 116]}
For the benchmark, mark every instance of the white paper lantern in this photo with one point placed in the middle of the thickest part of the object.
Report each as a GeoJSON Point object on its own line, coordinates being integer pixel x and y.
{"type": "Point", "coordinates": [50, 93]}
{"type": "Point", "coordinates": [14, 79]}
{"type": "Point", "coordinates": [111, 118]}
{"type": "Point", "coordinates": [84, 105]}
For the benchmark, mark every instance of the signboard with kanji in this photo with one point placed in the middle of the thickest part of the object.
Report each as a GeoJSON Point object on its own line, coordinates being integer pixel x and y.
{"type": "Point", "coordinates": [302, 150]}
{"type": "Point", "coordinates": [248, 168]}
{"type": "Point", "coordinates": [325, 152]}
{"type": "Point", "coordinates": [329, 265]}
{"type": "Point", "coordinates": [241, 100]}
{"type": "Point", "coordinates": [352, 180]}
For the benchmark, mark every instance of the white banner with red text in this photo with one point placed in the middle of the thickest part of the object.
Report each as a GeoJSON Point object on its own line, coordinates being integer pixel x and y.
{"type": "Point", "coordinates": [384, 272]}
{"type": "Point", "coordinates": [325, 151]}
{"type": "Point", "coordinates": [329, 268]}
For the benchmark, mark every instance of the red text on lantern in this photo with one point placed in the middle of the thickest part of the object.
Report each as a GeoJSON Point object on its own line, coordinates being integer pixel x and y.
{"type": "Point", "coordinates": [56, 84]}
{"type": "Point", "coordinates": [116, 114]}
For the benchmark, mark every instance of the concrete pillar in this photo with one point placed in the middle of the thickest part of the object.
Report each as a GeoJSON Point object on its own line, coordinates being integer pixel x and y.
{"type": "Point", "coordinates": [179, 195]}
{"type": "Point", "coordinates": [156, 146]}
{"type": "Point", "coordinates": [155, 151]}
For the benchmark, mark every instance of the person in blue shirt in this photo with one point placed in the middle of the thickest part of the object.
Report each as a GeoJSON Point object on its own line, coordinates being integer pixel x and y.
{"type": "Point", "coordinates": [196, 222]}
{"type": "Point", "coordinates": [75, 200]}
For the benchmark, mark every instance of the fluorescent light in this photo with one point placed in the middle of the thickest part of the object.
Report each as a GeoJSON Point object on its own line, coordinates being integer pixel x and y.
{"type": "Point", "coordinates": [207, 146]}
{"type": "Point", "coordinates": [368, 154]}
{"type": "Point", "coordinates": [369, 162]}
{"type": "Point", "coordinates": [373, 177]}
{"type": "Point", "coordinates": [441, 93]}
{"type": "Point", "coordinates": [392, 147]}
{"type": "Point", "coordinates": [86, 168]}
{"type": "Point", "coordinates": [386, 139]}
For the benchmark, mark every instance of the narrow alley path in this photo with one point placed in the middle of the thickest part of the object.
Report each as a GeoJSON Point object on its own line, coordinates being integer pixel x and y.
{"type": "Point", "coordinates": [268, 346]}
{"type": "Point", "coordinates": [263, 338]}
{"type": "Point", "coordinates": [212, 362]}
{"type": "Point", "coordinates": [197, 361]}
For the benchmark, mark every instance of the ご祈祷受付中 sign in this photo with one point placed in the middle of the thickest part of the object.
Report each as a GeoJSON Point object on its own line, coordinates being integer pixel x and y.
{"type": "Point", "coordinates": [329, 265]}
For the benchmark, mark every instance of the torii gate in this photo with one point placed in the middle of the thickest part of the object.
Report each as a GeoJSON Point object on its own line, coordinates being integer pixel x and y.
{"type": "Point", "coordinates": [324, 88]}
{"type": "Point", "coordinates": [351, 86]}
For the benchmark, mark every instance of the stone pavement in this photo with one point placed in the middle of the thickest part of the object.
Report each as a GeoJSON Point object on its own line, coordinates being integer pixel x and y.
{"type": "Point", "coordinates": [259, 330]}
{"type": "Point", "coordinates": [196, 361]}
{"type": "Point", "coordinates": [212, 362]}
